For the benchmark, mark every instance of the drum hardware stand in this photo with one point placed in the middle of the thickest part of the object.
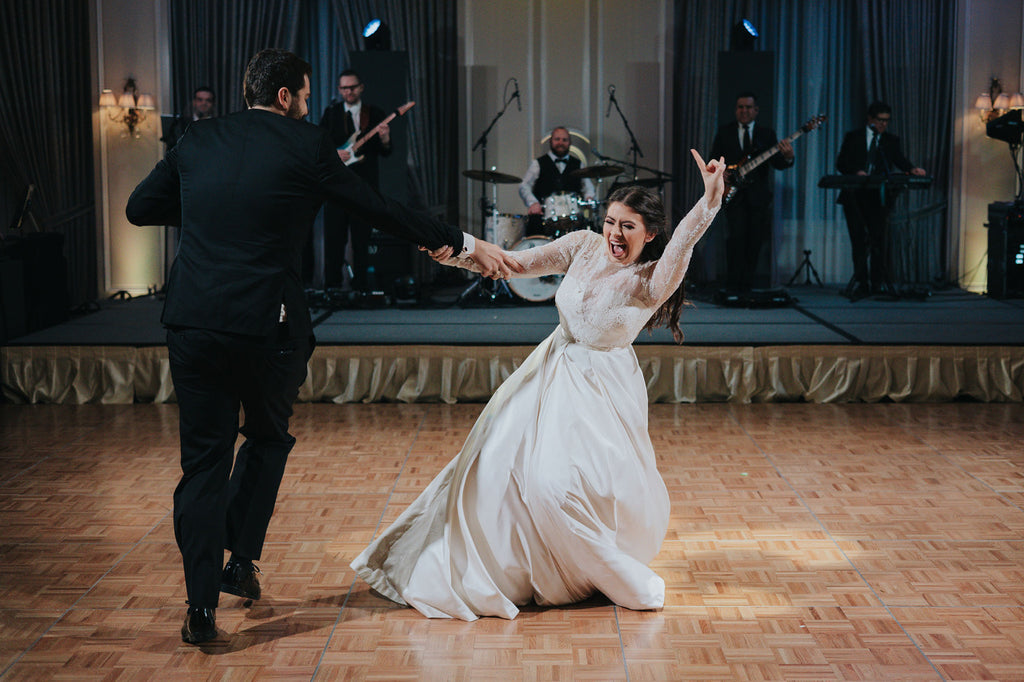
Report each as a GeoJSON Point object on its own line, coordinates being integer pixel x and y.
{"type": "Point", "coordinates": [805, 263]}
{"type": "Point", "coordinates": [661, 176]}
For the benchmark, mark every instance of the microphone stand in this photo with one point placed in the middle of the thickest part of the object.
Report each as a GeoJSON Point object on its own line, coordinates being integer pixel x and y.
{"type": "Point", "coordinates": [886, 250]}
{"type": "Point", "coordinates": [634, 146]}
{"type": "Point", "coordinates": [482, 283]}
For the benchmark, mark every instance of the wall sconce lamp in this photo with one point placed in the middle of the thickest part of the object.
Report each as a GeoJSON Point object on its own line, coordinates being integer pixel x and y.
{"type": "Point", "coordinates": [994, 103]}
{"type": "Point", "coordinates": [129, 109]}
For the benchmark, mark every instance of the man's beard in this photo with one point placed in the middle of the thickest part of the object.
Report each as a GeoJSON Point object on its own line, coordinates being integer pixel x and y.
{"type": "Point", "coordinates": [295, 110]}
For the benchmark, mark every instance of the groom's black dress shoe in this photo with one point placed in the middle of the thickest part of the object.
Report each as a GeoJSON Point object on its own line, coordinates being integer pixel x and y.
{"type": "Point", "coordinates": [200, 626]}
{"type": "Point", "coordinates": [240, 580]}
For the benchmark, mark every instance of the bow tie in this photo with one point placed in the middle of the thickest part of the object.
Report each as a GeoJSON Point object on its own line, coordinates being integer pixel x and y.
{"type": "Point", "coordinates": [565, 160]}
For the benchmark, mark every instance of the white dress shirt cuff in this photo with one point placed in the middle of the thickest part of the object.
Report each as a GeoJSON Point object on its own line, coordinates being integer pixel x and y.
{"type": "Point", "coordinates": [468, 244]}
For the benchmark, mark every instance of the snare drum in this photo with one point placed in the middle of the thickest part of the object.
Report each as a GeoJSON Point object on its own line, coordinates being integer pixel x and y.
{"type": "Point", "coordinates": [504, 229]}
{"type": "Point", "coordinates": [561, 214]}
{"type": "Point", "coordinates": [534, 289]}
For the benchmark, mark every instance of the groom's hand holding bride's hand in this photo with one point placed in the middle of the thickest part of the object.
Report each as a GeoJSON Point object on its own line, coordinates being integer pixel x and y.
{"type": "Point", "coordinates": [492, 260]}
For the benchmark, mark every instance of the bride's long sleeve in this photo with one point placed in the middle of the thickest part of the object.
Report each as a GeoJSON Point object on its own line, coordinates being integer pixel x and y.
{"type": "Point", "coordinates": [550, 259]}
{"type": "Point", "coordinates": [671, 267]}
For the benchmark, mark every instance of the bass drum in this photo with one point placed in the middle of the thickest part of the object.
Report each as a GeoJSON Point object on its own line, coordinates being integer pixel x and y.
{"type": "Point", "coordinates": [504, 229]}
{"type": "Point", "coordinates": [534, 289]}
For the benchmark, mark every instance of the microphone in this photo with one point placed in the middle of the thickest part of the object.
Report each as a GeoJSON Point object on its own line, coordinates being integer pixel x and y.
{"type": "Point", "coordinates": [611, 98]}
{"type": "Point", "coordinates": [515, 94]}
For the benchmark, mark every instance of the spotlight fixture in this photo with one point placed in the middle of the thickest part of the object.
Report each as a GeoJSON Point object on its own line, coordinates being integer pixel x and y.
{"type": "Point", "coordinates": [743, 35]}
{"type": "Point", "coordinates": [377, 35]}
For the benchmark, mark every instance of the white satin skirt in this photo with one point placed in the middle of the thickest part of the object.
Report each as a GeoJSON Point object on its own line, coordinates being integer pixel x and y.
{"type": "Point", "coordinates": [555, 495]}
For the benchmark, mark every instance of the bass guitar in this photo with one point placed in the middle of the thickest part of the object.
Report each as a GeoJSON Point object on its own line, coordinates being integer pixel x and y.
{"type": "Point", "coordinates": [353, 143]}
{"type": "Point", "coordinates": [738, 174]}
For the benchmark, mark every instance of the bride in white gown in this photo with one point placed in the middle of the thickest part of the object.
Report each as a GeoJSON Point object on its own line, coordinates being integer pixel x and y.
{"type": "Point", "coordinates": [555, 494]}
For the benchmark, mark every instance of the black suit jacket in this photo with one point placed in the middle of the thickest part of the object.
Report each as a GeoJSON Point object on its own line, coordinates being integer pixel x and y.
{"type": "Point", "coordinates": [853, 158]}
{"type": "Point", "coordinates": [757, 190]}
{"type": "Point", "coordinates": [245, 189]}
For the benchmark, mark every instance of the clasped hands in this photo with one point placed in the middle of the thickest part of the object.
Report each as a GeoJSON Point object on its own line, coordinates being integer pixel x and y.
{"type": "Point", "coordinates": [491, 259]}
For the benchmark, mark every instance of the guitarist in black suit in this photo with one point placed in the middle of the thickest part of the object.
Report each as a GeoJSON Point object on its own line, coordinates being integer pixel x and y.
{"type": "Point", "coordinates": [245, 189]}
{"type": "Point", "coordinates": [871, 150]}
{"type": "Point", "coordinates": [749, 214]}
{"type": "Point", "coordinates": [344, 118]}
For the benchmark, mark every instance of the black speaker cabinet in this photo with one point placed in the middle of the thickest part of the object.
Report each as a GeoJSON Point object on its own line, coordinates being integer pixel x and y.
{"type": "Point", "coordinates": [1005, 249]}
{"type": "Point", "coordinates": [391, 260]}
{"type": "Point", "coordinates": [33, 283]}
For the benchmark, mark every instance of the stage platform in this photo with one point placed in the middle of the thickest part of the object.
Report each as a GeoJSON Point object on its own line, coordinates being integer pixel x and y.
{"type": "Point", "coordinates": [936, 345]}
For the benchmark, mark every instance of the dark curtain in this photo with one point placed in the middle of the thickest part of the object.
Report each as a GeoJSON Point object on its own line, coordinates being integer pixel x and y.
{"type": "Point", "coordinates": [908, 60]}
{"type": "Point", "coordinates": [831, 58]}
{"type": "Point", "coordinates": [211, 43]}
{"type": "Point", "coordinates": [426, 29]}
{"type": "Point", "coordinates": [46, 126]}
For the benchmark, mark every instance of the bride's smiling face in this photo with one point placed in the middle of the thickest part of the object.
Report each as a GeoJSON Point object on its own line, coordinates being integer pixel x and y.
{"type": "Point", "coordinates": [625, 234]}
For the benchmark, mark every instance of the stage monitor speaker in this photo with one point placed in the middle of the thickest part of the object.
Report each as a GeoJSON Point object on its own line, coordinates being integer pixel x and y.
{"type": "Point", "coordinates": [384, 74]}
{"type": "Point", "coordinates": [1005, 249]}
{"type": "Point", "coordinates": [391, 259]}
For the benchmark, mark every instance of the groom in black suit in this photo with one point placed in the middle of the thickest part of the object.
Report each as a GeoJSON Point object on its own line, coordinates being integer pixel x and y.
{"type": "Point", "coordinates": [871, 150]}
{"type": "Point", "coordinates": [245, 189]}
{"type": "Point", "coordinates": [749, 214]}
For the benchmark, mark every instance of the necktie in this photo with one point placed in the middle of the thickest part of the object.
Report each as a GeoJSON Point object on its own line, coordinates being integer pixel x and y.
{"type": "Point", "coordinates": [873, 165]}
{"type": "Point", "coordinates": [746, 138]}
{"type": "Point", "coordinates": [351, 121]}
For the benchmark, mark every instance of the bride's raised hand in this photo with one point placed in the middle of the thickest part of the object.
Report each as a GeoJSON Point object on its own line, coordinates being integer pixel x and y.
{"type": "Point", "coordinates": [713, 173]}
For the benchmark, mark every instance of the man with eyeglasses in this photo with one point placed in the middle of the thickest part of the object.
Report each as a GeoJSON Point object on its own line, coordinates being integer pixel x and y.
{"type": "Point", "coordinates": [873, 151]}
{"type": "Point", "coordinates": [348, 119]}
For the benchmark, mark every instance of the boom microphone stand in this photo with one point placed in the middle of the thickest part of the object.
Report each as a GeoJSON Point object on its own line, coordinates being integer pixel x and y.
{"type": "Point", "coordinates": [634, 146]}
{"type": "Point", "coordinates": [486, 287]}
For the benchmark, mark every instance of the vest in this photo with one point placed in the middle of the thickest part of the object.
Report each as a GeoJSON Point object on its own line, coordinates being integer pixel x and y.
{"type": "Point", "coordinates": [550, 181]}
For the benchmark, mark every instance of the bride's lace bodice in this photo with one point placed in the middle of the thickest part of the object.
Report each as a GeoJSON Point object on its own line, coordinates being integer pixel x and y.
{"type": "Point", "coordinates": [602, 303]}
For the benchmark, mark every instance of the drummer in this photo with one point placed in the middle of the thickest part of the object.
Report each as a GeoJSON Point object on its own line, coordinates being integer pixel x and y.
{"type": "Point", "coordinates": [550, 174]}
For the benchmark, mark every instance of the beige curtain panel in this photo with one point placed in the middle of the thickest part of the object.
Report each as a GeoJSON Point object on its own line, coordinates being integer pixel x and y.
{"type": "Point", "coordinates": [674, 374]}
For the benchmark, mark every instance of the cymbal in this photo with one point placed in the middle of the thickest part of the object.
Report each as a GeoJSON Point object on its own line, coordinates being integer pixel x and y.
{"type": "Point", "coordinates": [490, 176]}
{"type": "Point", "coordinates": [644, 182]}
{"type": "Point", "coordinates": [596, 172]}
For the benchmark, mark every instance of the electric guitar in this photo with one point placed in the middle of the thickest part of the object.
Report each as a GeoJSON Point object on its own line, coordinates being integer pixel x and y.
{"type": "Point", "coordinates": [736, 174]}
{"type": "Point", "coordinates": [353, 143]}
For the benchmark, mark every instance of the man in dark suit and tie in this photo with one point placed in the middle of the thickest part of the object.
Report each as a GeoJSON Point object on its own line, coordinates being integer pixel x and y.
{"type": "Point", "coordinates": [347, 117]}
{"type": "Point", "coordinates": [749, 214]}
{"type": "Point", "coordinates": [871, 150]}
{"type": "Point", "coordinates": [245, 188]}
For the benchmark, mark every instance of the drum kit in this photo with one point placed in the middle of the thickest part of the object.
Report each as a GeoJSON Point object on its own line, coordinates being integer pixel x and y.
{"type": "Point", "coordinates": [563, 212]}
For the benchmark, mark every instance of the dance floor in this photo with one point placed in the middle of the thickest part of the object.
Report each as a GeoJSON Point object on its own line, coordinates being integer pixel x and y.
{"type": "Point", "coordinates": [841, 541]}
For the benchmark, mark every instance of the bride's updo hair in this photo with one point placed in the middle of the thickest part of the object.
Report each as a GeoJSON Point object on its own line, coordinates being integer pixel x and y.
{"type": "Point", "coordinates": [647, 204]}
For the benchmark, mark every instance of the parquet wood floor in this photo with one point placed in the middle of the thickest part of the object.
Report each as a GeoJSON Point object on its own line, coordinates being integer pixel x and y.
{"type": "Point", "coordinates": [808, 542]}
